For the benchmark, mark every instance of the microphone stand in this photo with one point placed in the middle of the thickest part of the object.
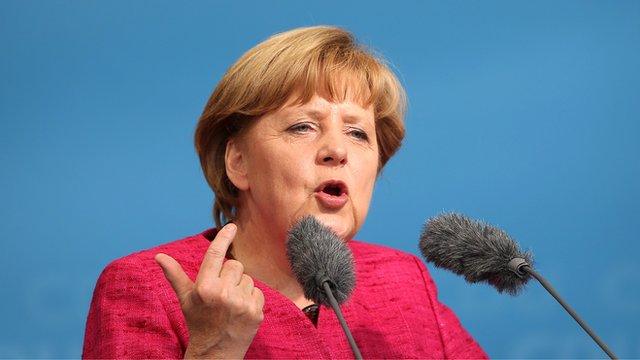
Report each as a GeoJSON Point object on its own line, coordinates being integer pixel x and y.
{"type": "Point", "coordinates": [325, 281]}
{"type": "Point", "coordinates": [520, 267]}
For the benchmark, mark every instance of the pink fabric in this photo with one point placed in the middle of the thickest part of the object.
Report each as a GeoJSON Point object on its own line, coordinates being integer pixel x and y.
{"type": "Point", "coordinates": [393, 312]}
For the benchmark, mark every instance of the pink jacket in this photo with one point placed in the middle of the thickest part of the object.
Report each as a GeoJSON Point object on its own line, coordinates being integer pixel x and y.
{"type": "Point", "coordinates": [392, 313]}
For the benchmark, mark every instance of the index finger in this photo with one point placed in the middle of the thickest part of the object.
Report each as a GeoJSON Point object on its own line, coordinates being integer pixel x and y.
{"type": "Point", "coordinates": [214, 256]}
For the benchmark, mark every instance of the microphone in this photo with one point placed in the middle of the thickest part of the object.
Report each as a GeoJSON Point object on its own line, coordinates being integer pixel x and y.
{"type": "Point", "coordinates": [483, 253]}
{"type": "Point", "coordinates": [323, 264]}
{"type": "Point", "coordinates": [477, 251]}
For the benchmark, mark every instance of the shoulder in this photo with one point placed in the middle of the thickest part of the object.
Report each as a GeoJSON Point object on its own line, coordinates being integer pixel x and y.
{"type": "Point", "coordinates": [188, 251]}
{"type": "Point", "coordinates": [380, 255]}
{"type": "Point", "coordinates": [390, 264]}
{"type": "Point", "coordinates": [374, 251]}
{"type": "Point", "coordinates": [134, 313]}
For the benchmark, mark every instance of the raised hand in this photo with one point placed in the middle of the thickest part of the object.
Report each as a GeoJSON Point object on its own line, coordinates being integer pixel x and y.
{"type": "Point", "coordinates": [223, 309]}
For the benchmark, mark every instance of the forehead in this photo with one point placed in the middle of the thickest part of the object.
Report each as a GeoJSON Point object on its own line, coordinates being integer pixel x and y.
{"type": "Point", "coordinates": [319, 106]}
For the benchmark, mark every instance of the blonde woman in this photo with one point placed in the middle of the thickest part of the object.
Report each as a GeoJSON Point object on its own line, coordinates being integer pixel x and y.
{"type": "Point", "coordinates": [302, 124]}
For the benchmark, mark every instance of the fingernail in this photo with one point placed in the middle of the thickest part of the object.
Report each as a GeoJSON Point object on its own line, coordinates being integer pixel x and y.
{"type": "Point", "coordinates": [231, 228]}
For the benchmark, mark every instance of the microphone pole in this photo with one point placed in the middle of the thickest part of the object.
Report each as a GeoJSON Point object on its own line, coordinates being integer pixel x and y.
{"type": "Point", "coordinates": [520, 267]}
{"type": "Point", "coordinates": [326, 286]}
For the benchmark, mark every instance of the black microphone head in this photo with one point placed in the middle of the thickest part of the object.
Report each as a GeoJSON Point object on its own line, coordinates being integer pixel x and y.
{"type": "Point", "coordinates": [475, 250]}
{"type": "Point", "coordinates": [314, 252]}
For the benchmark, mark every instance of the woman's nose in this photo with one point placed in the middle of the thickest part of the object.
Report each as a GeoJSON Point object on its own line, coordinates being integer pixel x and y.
{"type": "Point", "coordinates": [333, 151]}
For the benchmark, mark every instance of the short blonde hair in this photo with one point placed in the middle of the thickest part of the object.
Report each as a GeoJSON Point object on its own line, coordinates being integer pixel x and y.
{"type": "Point", "coordinates": [303, 61]}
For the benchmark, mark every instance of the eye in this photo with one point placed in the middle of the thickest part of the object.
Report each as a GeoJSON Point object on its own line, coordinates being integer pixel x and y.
{"type": "Point", "coordinates": [300, 128]}
{"type": "Point", "coordinates": [359, 134]}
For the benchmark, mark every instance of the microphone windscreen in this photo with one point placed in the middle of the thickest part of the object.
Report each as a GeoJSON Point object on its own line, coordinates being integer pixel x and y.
{"type": "Point", "coordinates": [473, 249]}
{"type": "Point", "coordinates": [314, 250]}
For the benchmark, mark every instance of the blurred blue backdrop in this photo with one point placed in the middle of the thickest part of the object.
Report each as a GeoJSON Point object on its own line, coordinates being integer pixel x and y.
{"type": "Point", "coordinates": [523, 114]}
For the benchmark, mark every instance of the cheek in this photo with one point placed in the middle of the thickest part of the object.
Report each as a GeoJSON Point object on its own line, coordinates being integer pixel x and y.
{"type": "Point", "coordinates": [367, 182]}
{"type": "Point", "coordinates": [364, 198]}
{"type": "Point", "coordinates": [369, 178]}
{"type": "Point", "coordinates": [293, 178]}
{"type": "Point", "coordinates": [280, 171]}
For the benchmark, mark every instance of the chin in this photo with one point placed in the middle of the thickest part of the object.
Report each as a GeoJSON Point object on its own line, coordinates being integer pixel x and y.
{"type": "Point", "coordinates": [343, 228]}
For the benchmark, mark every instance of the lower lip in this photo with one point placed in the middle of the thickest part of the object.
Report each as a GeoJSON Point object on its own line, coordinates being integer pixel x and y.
{"type": "Point", "coordinates": [330, 201]}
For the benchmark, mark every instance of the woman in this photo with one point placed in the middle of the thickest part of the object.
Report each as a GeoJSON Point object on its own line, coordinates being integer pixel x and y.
{"type": "Point", "coordinates": [302, 124]}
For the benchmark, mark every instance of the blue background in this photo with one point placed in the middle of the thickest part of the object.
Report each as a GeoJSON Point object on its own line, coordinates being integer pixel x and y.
{"type": "Point", "coordinates": [523, 114]}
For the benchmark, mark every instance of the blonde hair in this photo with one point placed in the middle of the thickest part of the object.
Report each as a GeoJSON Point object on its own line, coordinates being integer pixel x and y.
{"type": "Point", "coordinates": [304, 61]}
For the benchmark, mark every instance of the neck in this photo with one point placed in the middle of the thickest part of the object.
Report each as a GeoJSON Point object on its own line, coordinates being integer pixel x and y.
{"type": "Point", "coordinates": [263, 254]}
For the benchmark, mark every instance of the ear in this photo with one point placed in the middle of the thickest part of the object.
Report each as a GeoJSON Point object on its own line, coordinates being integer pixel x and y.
{"type": "Point", "coordinates": [235, 165]}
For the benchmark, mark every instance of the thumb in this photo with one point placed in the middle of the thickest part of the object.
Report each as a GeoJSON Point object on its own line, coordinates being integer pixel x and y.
{"type": "Point", "coordinates": [178, 279]}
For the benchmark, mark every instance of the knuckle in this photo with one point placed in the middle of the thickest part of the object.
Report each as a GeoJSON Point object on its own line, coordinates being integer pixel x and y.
{"type": "Point", "coordinates": [255, 313]}
{"type": "Point", "coordinates": [247, 279]}
{"type": "Point", "coordinates": [224, 296]}
{"type": "Point", "coordinates": [258, 295]}
{"type": "Point", "coordinates": [209, 293]}
{"type": "Point", "coordinates": [215, 252]}
{"type": "Point", "coordinates": [237, 305]}
{"type": "Point", "coordinates": [243, 312]}
{"type": "Point", "coordinates": [202, 292]}
{"type": "Point", "coordinates": [234, 265]}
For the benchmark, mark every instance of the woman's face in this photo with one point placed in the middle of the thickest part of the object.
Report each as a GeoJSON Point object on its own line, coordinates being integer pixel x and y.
{"type": "Point", "coordinates": [320, 159]}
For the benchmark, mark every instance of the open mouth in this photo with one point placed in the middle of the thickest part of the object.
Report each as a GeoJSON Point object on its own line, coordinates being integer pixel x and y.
{"type": "Point", "coordinates": [333, 188]}
{"type": "Point", "coordinates": [332, 194]}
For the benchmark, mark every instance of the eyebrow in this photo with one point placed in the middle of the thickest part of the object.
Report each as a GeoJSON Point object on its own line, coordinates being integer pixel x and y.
{"type": "Point", "coordinates": [317, 114]}
{"type": "Point", "coordinates": [301, 111]}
